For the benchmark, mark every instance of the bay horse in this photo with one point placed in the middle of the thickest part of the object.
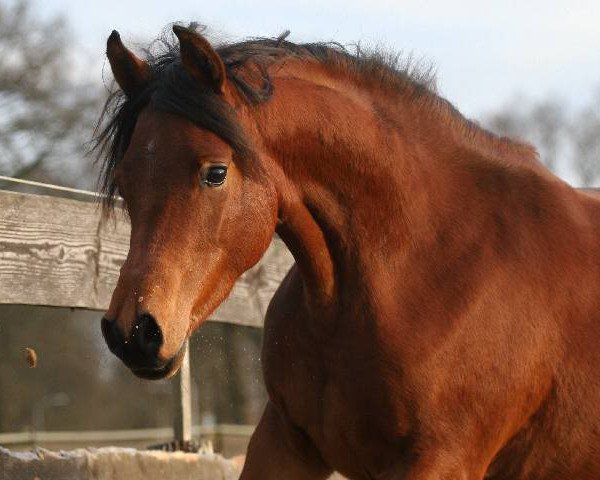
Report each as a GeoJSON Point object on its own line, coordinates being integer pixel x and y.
{"type": "Point", "coordinates": [442, 319]}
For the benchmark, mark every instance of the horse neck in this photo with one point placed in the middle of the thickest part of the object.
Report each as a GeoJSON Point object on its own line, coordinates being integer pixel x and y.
{"type": "Point", "coordinates": [345, 169]}
{"type": "Point", "coordinates": [341, 175]}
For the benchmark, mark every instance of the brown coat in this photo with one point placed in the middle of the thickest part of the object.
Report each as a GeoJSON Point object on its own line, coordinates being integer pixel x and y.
{"type": "Point", "coordinates": [442, 320]}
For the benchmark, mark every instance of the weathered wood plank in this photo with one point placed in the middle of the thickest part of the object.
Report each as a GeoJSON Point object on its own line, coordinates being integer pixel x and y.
{"type": "Point", "coordinates": [57, 252]}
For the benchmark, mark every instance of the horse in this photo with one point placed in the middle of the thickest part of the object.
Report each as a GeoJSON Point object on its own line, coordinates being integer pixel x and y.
{"type": "Point", "coordinates": [442, 317]}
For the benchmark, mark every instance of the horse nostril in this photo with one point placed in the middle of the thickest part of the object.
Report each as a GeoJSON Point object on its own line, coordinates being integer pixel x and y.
{"type": "Point", "coordinates": [146, 333]}
{"type": "Point", "coordinates": [140, 348]}
{"type": "Point", "coordinates": [113, 337]}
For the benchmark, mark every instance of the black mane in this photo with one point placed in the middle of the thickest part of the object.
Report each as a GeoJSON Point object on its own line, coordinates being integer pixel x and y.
{"type": "Point", "coordinates": [173, 90]}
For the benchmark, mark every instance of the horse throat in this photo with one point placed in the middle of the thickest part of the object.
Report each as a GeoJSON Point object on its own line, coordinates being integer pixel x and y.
{"type": "Point", "coordinates": [306, 240]}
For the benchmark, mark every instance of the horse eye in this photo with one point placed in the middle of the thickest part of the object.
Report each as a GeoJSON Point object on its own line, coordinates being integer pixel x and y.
{"type": "Point", "coordinates": [215, 176]}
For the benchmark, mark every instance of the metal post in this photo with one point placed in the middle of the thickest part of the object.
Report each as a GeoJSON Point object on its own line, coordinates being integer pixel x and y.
{"type": "Point", "coordinates": [183, 400]}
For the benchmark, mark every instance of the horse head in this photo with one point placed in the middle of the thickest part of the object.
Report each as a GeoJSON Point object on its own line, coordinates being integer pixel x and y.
{"type": "Point", "coordinates": [202, 209]}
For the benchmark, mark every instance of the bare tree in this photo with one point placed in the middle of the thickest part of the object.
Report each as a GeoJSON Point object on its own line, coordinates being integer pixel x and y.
{"type": "Point", "coordinates": [556, 133]}
{"type": "Point", "coordinates": [585, 135]}
{"type": "Point", "coordinates": [46, 113]}
{"type": "Point", "coordinates": [510, 121]}
{"type": "Point", "coordinates": [541, 124]}
{"type": "Point", "coordinates": [548, 122]}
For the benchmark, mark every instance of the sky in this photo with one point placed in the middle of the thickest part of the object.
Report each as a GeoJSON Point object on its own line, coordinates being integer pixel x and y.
{"type": "Point", "coordinates": [486, 53]}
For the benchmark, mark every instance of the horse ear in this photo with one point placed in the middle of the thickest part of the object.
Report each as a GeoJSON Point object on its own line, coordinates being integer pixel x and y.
{"type": "Point", "coordinates": [130, 72]}
{"type": "Point", "coordinates": [200, 59]}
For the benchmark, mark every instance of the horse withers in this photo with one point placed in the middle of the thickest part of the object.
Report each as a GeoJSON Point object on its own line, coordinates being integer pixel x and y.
{"type": "Point", "coordinates": [442, 320]}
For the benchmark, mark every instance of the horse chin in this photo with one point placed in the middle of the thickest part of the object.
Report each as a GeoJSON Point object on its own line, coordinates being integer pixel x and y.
{"type": "Point", "coordinates": [166, 371]}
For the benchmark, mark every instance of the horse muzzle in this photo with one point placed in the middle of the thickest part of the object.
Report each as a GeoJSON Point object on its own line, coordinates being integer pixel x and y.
{"type": "Point", "coordinates": [140, 350]}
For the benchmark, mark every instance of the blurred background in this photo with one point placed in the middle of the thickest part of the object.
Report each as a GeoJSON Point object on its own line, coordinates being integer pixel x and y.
{"type": "Point", "coordinates": [524, 69]}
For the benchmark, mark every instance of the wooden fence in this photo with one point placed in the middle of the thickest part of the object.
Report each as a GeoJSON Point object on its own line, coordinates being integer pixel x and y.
{"type": "Point", "coordinates": [60, 252]}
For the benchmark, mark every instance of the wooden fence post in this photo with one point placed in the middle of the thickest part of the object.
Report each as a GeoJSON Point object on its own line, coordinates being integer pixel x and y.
{"type": "Point", "coordinates": [183, 399]}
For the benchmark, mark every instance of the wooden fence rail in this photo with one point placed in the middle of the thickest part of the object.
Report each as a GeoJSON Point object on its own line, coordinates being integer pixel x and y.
{"type": "Point", "coordinates": [106, 436]}
{"type": "Point", "coordinates": [60, 252]}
